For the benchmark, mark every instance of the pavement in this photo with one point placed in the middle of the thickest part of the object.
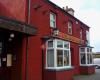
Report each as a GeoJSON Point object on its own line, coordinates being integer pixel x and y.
{"type": "Point", "coordinates": [95, 76]}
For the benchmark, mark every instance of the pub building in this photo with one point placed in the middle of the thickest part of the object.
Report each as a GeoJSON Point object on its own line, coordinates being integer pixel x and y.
{"type": "Point", "coordinates": [41, 41]}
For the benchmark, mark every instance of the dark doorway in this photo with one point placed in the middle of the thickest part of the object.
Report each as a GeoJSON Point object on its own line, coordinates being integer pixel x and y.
{"type": "Point", "coordinates": [10, 55]}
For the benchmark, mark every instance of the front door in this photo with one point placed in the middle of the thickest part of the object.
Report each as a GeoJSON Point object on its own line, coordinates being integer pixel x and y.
{"type": "Point", "coordinates": [10, 56]}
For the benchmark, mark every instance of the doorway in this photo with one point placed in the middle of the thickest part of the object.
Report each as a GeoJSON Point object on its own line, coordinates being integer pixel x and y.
{"type": "Point", "coordinates": [10, 55]}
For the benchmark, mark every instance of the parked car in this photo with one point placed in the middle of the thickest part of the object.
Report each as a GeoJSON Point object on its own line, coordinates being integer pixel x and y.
{"type": "Point", "coordinates": [97, 63]}
{"type": "Point", "coordinates": [97, 66]}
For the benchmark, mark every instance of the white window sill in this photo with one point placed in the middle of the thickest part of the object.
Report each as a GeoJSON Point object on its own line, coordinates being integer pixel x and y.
{"type": "Point", "coordinates": [87, 65]}
{"type": "Point", "coordinates": [60, 68]}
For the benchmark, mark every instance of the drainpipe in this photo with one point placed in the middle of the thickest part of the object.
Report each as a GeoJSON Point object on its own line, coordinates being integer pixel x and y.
{"type": "Point", "coordinates": [27, 46]}
{"type": "Point", "coordinates": [27, 39]}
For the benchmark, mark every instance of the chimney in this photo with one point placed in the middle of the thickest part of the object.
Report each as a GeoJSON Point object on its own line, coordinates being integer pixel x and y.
{"type": "Point", "coordinates": [65, 8]}
{"type": "Point", "coordinates": [69, 10]}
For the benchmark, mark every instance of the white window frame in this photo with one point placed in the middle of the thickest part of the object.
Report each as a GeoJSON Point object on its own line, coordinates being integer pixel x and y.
{"type": "Point", "coordinates": [88, 37]}
{"type": "Point", "coordinates": [52, 21]}
{"type": "Point", "coordinates": [55, 54]}
{"type": "Point", "coordinates": [70, 25]}
{"type": "Point", "coordinates": [86, 59]}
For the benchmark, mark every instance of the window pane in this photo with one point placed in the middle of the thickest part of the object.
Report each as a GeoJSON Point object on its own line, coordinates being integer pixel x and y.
{"type": "Point", "coordinates": [83, 59]}
{"type": "Point", "coordinates": [82, 49]}
{"type": "Point", "coordinates": [89, 58]}
{"type": "Point", "coordinates": [66, 58]}
{"type": "Point", "coordinates": [52, 23]}
{"type": "Point", "coordinates": [70, 30]}
{"type": "Point", "coordinates": [60, 44]}
{"type": "Point", "coordinates": [66, 45]}
{"type": "Point", "coordinates": [88, 50]}
{"type": "Point", "coordinates": [50, 58]}
{"type": "Point", "coordinates": [59, 58]}
{"type": "Point", "coordinates": [52, 16]}
{"type": "Point", "coordinates": [50, 43]}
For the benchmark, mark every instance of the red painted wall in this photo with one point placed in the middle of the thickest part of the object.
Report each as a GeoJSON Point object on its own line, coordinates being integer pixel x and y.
{"type": "Point", "coordinates": [87, 70]}
{"type": "Point", "coordinates": [34, 59]}
{"type": "Point", "coordinates": [75, 57]}
{"type": "Point", "coordinates": [58, 75]}
{"type": "Point", "coordinates": [40, 18]}
{"type": "Point", "coordinates": [13, 9]}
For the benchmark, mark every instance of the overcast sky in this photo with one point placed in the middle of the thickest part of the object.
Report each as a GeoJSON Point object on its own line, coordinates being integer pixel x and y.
{"type": "Point", "coordinates": [88, 11]}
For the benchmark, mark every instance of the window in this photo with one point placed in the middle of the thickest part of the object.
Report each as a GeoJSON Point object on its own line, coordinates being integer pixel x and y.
{"type": "Point", "coordinates": [87, 38]}
{"type": "Point", "coordinates": [85, 56]}
{"type": "Point", "coordinates": [69, 27]}
{"type": "Point", "coordinates": [81, 34]}
{"type": "Point", "coordinates": [58, 55]}
{"type": "Point", "coordinates": [52, 20]}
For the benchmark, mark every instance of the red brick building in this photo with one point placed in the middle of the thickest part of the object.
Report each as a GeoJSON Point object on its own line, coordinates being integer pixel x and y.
{"type": "Point", "coordinates": [41, 41]}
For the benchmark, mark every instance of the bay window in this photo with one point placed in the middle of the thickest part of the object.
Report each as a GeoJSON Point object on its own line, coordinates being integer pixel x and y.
{"type": "Point", "coordinates": [86, 56]}
{"type": "Point", "coordinates": [58, 54]}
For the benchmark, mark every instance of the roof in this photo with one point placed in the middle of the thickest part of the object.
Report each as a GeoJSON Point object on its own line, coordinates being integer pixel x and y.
{"type": "Point", "coordinates": [85, 46]}
{"type": "Point", "coordinates": [15, 25]}
{"type": "Point", "coordinates": [56, 6]}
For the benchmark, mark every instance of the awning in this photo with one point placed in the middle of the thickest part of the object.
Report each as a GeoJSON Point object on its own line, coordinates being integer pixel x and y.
{"type": "Point", "coordinates": [14, 25]}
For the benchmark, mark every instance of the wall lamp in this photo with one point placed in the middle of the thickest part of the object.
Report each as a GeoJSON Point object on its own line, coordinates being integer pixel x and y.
{"type": "Point", "coordinates": [11, 36]}
{"type": "Point", "coordinates": [55, 31]}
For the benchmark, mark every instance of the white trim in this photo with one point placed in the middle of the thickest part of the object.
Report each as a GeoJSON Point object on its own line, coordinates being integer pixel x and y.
{"type": "Point", "coordinates": [57, 68]}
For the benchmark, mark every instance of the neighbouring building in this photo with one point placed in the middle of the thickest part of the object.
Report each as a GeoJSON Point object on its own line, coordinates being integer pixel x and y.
{"type": "Point", "coordinates": [41, 41]}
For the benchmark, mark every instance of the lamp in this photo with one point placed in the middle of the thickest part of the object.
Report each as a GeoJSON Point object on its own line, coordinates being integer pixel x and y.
{"type": "Point", "coordinates": [12, 35]}
{"type": "Point", "coordinates": [55, 31]}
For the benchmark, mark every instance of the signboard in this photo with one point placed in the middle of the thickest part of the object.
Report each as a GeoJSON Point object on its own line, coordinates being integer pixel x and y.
{"type": "Point", "coordinates": [70, 38]}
